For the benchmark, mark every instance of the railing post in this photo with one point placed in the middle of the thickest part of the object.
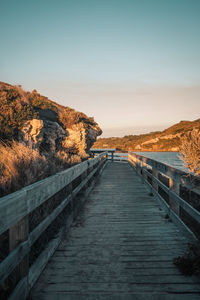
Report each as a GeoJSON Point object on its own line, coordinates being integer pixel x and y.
{"type": "Point", "coordinates": [175, 187]}
{"type": "Point", "coordinates": [83, 177]}
{"type": "Point", "coordinates": [155, 173]}
{"type": "Point", "coordinates": [138, 168]}
{"type": "Point", "coordinates": [144, 165]}
{"type": "Point", "coordinates": [17, 234]}
{"type": "Point", "coordinates": [132, 160]}
{"type": "Point", "coordinates": [69, 192]}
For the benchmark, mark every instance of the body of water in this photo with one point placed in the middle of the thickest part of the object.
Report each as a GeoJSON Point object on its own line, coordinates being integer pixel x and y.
{"type": "Point", "coordinates": [169, 158]}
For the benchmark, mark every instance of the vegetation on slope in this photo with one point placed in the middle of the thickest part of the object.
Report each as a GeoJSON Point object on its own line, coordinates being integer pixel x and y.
{"type": "Point", "coordinates": [17, 106]}
{"type": "Point", "coordinates": [190, 150]}
{"type": "Point", "coordinates": [22, 163]}
{"type": "Point", "coordinates": [167, 140]}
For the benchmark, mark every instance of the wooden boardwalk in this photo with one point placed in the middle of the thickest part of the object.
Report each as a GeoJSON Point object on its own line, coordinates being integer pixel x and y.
{"type": "Point", "coordinates": [120, 247]}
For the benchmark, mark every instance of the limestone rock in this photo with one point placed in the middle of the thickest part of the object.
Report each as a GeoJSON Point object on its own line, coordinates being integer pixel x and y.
{"type": "Point", "coordinates": [54, 129]}
{"type": "Point", "coordinates": [43, 134]}
{"type": "Point", "coordinates": [49, 136]}
{"type": "Point", "coordinates": [80, 138]}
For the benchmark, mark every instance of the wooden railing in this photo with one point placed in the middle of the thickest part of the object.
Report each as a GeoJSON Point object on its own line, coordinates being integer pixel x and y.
{"type": "Point", "coordinates": [109, 151]}
{"type": "Point", "coordinates": [16, 209]}
{"type": "Point", "coordinates": [174, 188]}
{"type": "Point", "coordinates": [113, 155]}
{"type": "Point", "coordinates": [166, 183]}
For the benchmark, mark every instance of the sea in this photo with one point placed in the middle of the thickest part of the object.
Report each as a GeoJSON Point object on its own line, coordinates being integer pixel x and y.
{"type": "Point", "coordinates": [169, 158]}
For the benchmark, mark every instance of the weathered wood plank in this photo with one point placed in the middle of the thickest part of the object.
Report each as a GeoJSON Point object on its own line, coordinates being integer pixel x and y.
{"type": "Point", "coordinates": [12, 209]}
{"type": "Point", "coordinates": [116, 295]}
{"type": "Point", "coordinates": [129, 287]}
{"type": "Point", "coordinates": [121, 244]}
{"type": "Point", "coordinates": [33, 236]}
{"type": "Point", "coordinates": [21, 290]}
{"type": "Point", "coordinates": [42, 260]}
{"type": "Point", "coordinates": [186, 206]}
{"type": "Point", "coordinates": [18, 234]}
{"type": "Point", "coordinates": [14, 216]}
{"type": "Point", "coordinates": [17, 205]}
{"type": "Point", "coordinates": [12, 260]}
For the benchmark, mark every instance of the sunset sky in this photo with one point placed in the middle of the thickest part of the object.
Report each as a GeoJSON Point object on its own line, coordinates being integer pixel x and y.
{"type": "Point", "coordinates": [132, 64]}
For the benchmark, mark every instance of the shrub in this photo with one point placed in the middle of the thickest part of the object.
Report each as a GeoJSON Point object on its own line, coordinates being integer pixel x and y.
{"type": "Point", "coordinates": [190, 150]}
{"type": "Point", "coordinates": [20, 165]}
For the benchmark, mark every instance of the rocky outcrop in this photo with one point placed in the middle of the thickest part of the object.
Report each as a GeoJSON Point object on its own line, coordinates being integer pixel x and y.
{"type": "Point", "coordinates": [45, 135]}
{"type": "Point", "coordinates": [80, 139]}
{"type": "Point", "coordinates": [44, 124]}
{"type": "Point", "coordinates": [50, 137]}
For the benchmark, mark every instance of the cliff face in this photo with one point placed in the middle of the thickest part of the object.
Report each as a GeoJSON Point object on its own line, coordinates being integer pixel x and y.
{"type": "Point", "coordinates": [34, 119]}
{"type": "Point", "coordinates": [167, 140]}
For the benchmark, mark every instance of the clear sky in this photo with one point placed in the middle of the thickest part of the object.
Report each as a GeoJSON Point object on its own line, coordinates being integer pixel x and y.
{"type": "Point", "coordinates": [132, 64]}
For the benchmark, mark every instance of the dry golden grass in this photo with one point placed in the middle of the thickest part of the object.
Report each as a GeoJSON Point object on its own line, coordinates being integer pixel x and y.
{"type": "Point", "coordinates": [21, 165]}
{"type": "Point", "coordinates": [190, 151]}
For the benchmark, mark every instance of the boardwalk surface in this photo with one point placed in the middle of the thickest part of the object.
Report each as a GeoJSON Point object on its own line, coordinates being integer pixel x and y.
{"type": "Point", "coordinates": [121, 247]}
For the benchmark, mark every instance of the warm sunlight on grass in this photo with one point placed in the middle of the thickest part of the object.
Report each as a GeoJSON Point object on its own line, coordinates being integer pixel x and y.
{"type": "Point", "coordinates": [21, 165]}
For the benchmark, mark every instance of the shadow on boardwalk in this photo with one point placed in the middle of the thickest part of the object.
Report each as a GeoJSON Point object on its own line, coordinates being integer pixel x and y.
{"type": "Point", "coordinates": [120, 247]}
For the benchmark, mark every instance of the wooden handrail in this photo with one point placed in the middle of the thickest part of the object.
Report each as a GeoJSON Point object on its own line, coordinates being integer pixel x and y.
{"type": "Point", "coordinates": [14, 213]}
{"type": "Point", "coordinates": [150, 170]}
{"type": "Point", "coordinates": [112, 154]}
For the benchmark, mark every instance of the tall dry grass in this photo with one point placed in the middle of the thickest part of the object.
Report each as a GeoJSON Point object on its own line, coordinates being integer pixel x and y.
{"type": "Point", "coordinates": [21, 165]}
{"type": "Point", "coordinates": [190, 151]}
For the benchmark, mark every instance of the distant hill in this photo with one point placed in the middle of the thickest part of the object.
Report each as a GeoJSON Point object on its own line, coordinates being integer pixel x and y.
{"type": "Point", "coordinates": [166, 140]}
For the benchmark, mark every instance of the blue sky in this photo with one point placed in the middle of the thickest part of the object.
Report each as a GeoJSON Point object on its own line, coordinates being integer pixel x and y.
{"type": "Point", "coordinates": [132, 64]}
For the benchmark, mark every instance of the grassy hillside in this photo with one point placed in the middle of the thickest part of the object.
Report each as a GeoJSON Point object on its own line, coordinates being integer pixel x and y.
{"type": "Point", "coordinates": [167, 140]}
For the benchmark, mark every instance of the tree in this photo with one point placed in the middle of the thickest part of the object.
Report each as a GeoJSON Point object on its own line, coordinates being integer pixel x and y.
{"type": "Point", "coordinates": [190, 151]}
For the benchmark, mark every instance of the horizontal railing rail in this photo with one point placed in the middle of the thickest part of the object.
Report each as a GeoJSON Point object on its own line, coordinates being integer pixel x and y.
{"type": "Point", "coordinates": [174, 188]}
{"type": "Point", "coordinates": [113, 154]}
{"type": "Point", "coordinates": [15, 211]}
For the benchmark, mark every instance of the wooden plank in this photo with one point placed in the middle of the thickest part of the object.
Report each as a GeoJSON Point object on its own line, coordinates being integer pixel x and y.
{"type": "Point", "coordinates": [34, 235]}
{"type": "Point", "coordinates": [161, 167]}
{"type": "Point", "coordinates": [17, 205]}
{"type": "Point", "coordinates": [17, 234]}
{"type": "Point", "coordinates": [12, 260]}
{"type": "Point", "coordinates": [40, 263]}
{"type": "Point", "coordinates": [132, 278]}
{"type": "Point", "coordinates": [104, 150]}
{"type": "Point", "coordinates": [40, 192]}
{"type": "Point", "coordinates": [12, 208]}
{"type": "Point", "coordinates": [111, 250]}
{"type": "Point", "coordinates": [21, 290]}
{"type": "Point", "coordinates": [177, 175]}
{"type": "Point", "coordinates": [117, 295]}
{"type": "Point", "coordinates": [173, 216]}
{"type": "Point", "coordinates": [42, 260]}
{"type": "Point", "coordinates": [97, 287]}
{"type": "Point", "coordinates": [186, 206]}
{"type": "Point", "coordinates": [83, 183]}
